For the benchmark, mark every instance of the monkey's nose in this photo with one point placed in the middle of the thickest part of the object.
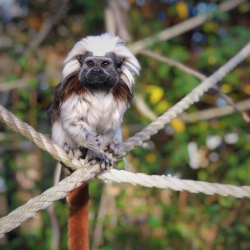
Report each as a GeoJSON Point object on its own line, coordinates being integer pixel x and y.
{"type": "Point", "coordinates": [96, 71]}
{"type": "Point", "coordinates": [96, 75]}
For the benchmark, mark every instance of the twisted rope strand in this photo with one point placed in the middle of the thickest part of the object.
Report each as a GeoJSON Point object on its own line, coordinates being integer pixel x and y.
{"type": "Point", "coordinates": [39, 139]}
{"type": "Point", "coordinates": [87, 173]}
{"type": "Point", "coordinates": [42, 201]}
{"type": "Point", "coordinates": [187, 101]}
{"type": "Point", "coordinates": [83, 175]}
{"type": "Point", "coordinates": [174, 183]}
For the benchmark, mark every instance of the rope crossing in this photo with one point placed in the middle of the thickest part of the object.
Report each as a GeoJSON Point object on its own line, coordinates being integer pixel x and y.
{"type": "Point", "coordinates": [85, 173]}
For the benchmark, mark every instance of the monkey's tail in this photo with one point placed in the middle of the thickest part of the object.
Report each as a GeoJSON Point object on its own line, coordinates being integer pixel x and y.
{"type": "Point", "coordinates": [78, 226]}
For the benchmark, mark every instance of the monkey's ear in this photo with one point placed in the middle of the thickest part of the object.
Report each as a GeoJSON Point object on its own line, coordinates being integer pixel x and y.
{"type": "Point", "coordinates": [119, 62]}
{"type": "Point", "coordinates": [80, 58]}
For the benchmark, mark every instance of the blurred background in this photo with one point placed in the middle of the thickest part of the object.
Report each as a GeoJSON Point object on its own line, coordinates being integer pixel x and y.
{"type": "Point", "coordinates": [210, 142]}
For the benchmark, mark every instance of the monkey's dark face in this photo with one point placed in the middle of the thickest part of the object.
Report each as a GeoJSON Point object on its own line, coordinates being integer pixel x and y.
{"type": "Point", "coordinates": [97, 72]}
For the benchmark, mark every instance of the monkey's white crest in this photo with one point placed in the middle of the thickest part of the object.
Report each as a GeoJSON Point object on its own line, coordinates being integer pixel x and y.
{"type": "Point", "coordinates": [99, 46]}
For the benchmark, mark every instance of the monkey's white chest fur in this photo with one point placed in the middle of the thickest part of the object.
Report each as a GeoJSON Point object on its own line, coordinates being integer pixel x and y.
{"type": "Point", "coordinates": [103, 113]}
{"type": "Point", "coordinates": [99, 113]}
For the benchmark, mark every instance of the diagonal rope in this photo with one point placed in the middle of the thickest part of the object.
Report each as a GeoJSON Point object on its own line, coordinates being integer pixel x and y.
{"type": "Point", "coordinates": [39, 139]}
{"type": "Point", "coordinates": [42, 201]}
{"type": "Point", "coordinates": [187, 101]}
{"type": "Point", "coordinates": [87, 173]}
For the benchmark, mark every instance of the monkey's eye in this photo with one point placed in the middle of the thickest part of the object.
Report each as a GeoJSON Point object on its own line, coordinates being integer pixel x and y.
{"type": "Point", "coordinates": [90, 64]}
{"type": "Point", "coordinates": [105, 64]}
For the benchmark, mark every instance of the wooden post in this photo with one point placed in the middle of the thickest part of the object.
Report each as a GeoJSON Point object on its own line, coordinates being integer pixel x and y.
{"type": "Point", "coordinates": [78, 224]}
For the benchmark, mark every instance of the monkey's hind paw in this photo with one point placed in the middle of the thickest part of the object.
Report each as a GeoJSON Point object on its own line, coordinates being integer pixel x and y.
{"type": "Point", "coordinates": [93, 158]}
{"type": "Point", "coordinates": [72, 152]}
{"type": "Point", "coordinates": [115, 148]}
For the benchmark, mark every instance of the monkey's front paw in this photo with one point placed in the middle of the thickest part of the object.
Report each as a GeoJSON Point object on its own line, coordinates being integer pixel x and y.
{"type": "Point", "coordinates": [93, 140]}
{"type": "Point", "coordinates": [72, 151]}
{"type": "Point", "coordinates": [93, 158]}
{"type": "Point", "coordinates": [115, 148]}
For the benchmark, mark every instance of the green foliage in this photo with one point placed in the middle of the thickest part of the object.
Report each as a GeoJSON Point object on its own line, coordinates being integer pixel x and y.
{"type": "Point", "coordinates": [137, 217]}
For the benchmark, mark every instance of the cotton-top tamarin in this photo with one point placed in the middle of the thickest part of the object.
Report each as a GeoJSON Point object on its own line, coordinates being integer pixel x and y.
{"type": "Point", "coordinates": [95, 91]}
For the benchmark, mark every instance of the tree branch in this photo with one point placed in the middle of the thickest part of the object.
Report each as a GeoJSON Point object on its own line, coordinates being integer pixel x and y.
{"type": "Point", "coordinates": [214, 112]}
{"type": "Point", "coordinates": [196, 74]}
{"type": "Point", "coordinates": [182, 27]}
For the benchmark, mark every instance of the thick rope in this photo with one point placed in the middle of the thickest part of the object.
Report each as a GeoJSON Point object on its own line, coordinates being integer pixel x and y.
{"type": "Point", "coordinates": [87, 173]}
{"type": "Point", "coordinates": [83, 175]}
{"type": "Point", "coordinates": [187, 101]}
{"type": "Point", "coordinates": [39, 139]}
{"type": "Point", "coordinates": [174, 183]}
{"type": "Point", "coordinates": [42, 201]}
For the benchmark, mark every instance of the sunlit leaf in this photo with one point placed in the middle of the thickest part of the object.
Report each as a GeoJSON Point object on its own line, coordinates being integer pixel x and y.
{"type": "Point", "coordinates": [182, 10]}
{"type": "Point", "coordinates": [178, 125]}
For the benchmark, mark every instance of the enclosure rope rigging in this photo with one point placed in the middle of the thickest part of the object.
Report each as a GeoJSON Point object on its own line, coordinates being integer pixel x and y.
{"type": "Point", "coordinates": [85, 173]}
{"type": "Point", "coordinates": [187, 101]}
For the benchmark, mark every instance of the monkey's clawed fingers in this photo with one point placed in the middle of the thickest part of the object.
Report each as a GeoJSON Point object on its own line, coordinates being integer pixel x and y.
{"type": "Point", "coordinates": [115, 148]}
{"type": "Point", "coordinates": [93, 158]}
